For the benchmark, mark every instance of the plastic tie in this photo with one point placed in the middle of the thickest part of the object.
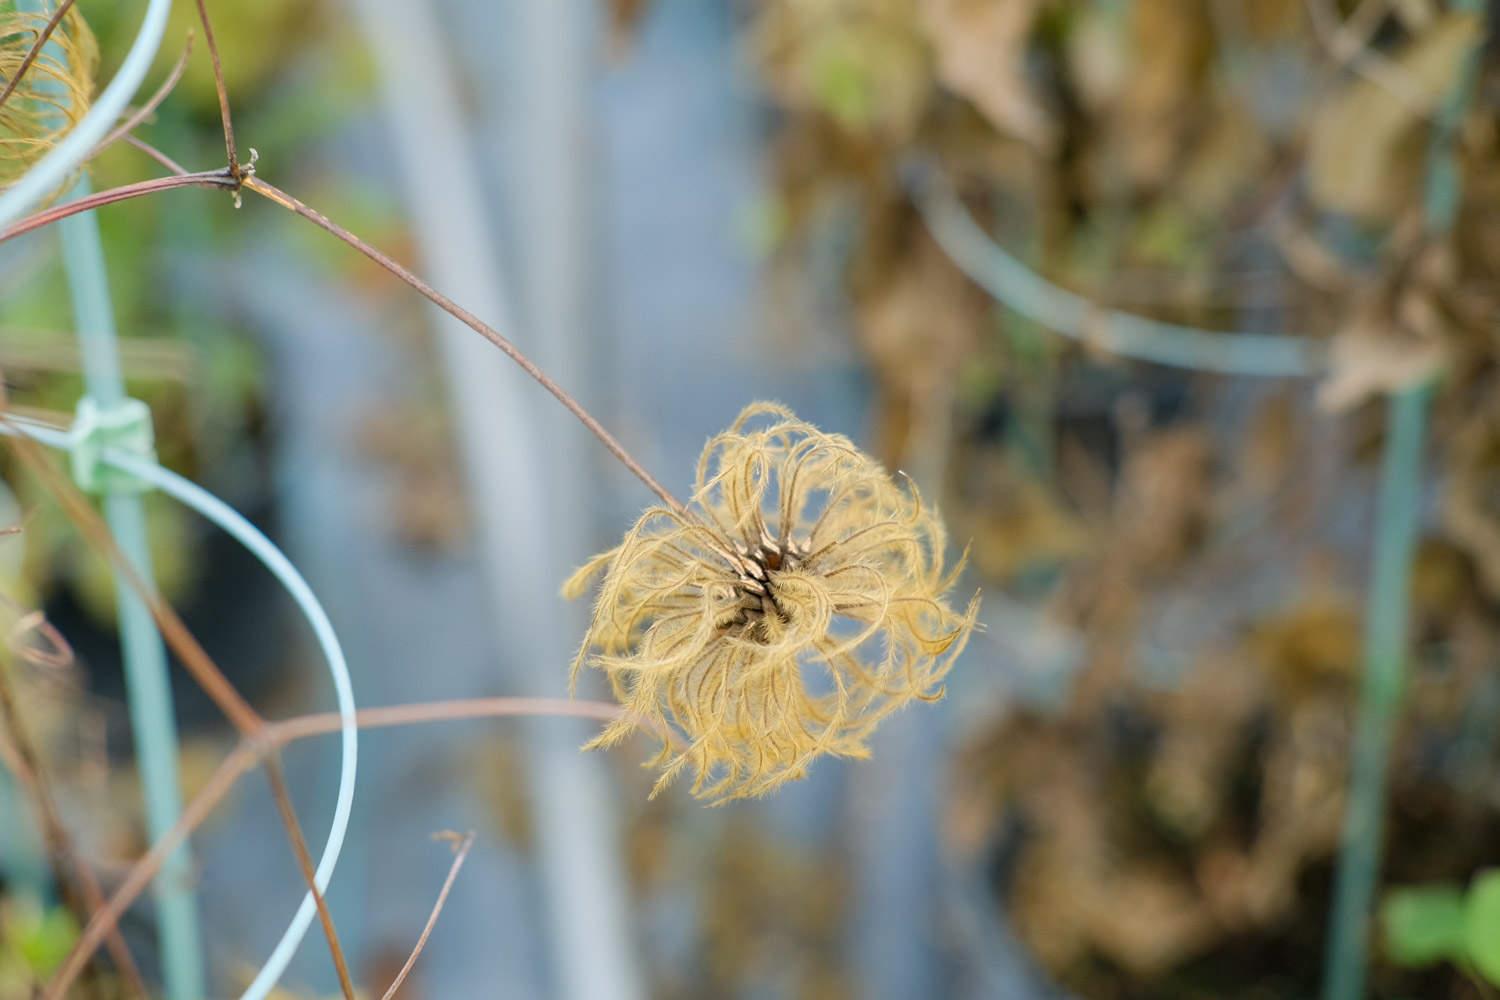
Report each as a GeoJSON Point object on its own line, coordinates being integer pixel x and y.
{"type": "Point", "coordinates": [125, 427]}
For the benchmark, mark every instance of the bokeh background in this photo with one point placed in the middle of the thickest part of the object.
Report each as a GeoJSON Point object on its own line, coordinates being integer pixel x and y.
{"type": "Point", "coordinates": [1137, 783]}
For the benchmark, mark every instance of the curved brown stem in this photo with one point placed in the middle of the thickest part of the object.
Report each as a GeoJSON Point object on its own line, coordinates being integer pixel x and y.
{"type": "Point", "coordinates": [155, 154]}
{"type": "Point", "coordinates": [206, 178]}
{"type": "Point", "coordinates": [123, 130]}
{"type": "Point", "coordinates": [474, 323]}
{"type": "Point", "coordinates": [213, 54]}
{"type": "Point", "coordinates": [461, 852]}
{"type": "Point", "coordinates": [143, 871]}
{"type": "Point", "coordinates": [283, 797]}
{"type": "Point", "coordinates": [248, 722]}
{"type": "Point", "coordinates": [252, 751]}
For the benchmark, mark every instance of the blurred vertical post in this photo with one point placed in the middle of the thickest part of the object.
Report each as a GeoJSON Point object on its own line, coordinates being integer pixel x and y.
{"type": "Point", "coordinates": [1387, 613]}
{"type": "Point", "coordinates": [147, 682]}
{"type": "Point", "coordinates": [524, 456]}
{"type": "Point", "coordinates": [556, 43]}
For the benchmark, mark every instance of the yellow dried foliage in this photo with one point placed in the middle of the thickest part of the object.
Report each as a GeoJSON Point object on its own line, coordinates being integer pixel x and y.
{"type": "Point", "coordinates": [862, 62]}
{"type": "Point", "coordinates": [797, 601]}
{"type": "Point", "coordinates": [981, 54]}
{"type": "Point", "coordinates": [1367, 146]}
{"type": "Point", "coordinates": [55, 91]}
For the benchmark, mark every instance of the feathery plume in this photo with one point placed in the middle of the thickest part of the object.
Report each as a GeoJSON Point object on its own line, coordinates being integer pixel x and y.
{"type": "Point", "coordinates": [55, 91]}
{"type": "Point", "coordinates": [797, 601]}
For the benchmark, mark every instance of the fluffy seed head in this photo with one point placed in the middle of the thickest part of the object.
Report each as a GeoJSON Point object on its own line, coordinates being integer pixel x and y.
{"type": "Point", "coordinates": [796, 602]}
{"type": "Point", "coordinates": [55, 91]}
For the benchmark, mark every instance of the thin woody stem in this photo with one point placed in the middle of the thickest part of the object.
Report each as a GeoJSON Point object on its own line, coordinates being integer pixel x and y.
{"type": "Point", "coordinates": [123, 130]}
{"type": "Point", "coordinates": [155, 154]}
{"type": "Point", "coordinates": [207, 178]}
{"type": "Point", "coordinates": [460, 854]}
{"type": "Point", "coordinates": [474, 323]}
{"type": "Point", "coordinates": [250, 752]}
{"type": "Point", "coordinates": [199, 664]}
{"type": "Point", "coordinates": [283, 797]}
{"type": "Point", "coordinates": [219, 88]}
{"type": "Point", "coordinates": [210, 678]}
{"type": "Point", "coordinates": [243, 759]}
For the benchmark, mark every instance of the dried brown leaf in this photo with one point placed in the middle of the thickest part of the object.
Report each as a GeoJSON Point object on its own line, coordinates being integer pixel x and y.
{"type": "Point", "coordinates": [981, 55]}
{"type": "Point", "coordinates": [1366, 153]}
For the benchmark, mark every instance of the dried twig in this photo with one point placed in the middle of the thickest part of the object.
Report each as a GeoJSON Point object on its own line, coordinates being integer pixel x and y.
{"type": "Point", "coordinates": [156, 155]}
{"type": "Point", "coordinates": [283, 797]}
{"type": "Point", "coordinates": [206, 178]}
{"type": "Point", "coordinates": [123, 130]}
{"type": "Point", "coordinates": [324, 723]}
{"type": "Point", "coordinates": [205, 672]}
{"type": "Point", "coordinates": [249, 753]}
{"type": "Point", "coordinates": [213, 54]}
{"type": "Point", "coordinates": [474, 323]}
{"type": "Point", "coordinates": [461, 853]}
{"type": "Point", "coordinates": [107, 918]}
{"type": "Point", "coordinates": [197, 661]}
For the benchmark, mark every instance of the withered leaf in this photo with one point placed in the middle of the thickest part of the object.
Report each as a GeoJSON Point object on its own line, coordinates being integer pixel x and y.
{"type": "Point", "coordinates": [1366, 152]}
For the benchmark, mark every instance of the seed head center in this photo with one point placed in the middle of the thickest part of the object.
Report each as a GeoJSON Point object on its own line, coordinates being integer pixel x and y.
{"type": "Point", "coordinates": [760, 566]}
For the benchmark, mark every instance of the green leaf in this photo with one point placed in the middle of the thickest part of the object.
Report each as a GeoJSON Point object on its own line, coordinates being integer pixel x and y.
{"type": "Point", "coordinates": [1424, 924]}
{"type": "Point", "coordinates": [1482, 925]}
{"type": "Point", "coordinates": [44, 944]}
{"type": "Point", "coordinates": [842, 82]}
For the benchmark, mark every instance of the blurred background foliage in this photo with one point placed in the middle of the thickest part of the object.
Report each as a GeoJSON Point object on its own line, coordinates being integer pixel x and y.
{"type": "Point", "coordinates": [1166, 825]}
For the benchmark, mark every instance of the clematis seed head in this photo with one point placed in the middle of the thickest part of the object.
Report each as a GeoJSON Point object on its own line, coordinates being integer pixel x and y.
{"type": "Point", "coordinates": [797, 600]}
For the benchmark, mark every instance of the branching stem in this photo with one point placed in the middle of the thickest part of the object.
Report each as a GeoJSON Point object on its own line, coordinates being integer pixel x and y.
{"type": "Point", "coordinates": [474, 323]}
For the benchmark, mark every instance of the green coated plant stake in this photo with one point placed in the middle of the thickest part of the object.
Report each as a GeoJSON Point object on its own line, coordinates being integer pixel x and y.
{"type": "Point", "coordinates": [1386, 626]}
{"type": "Point", "coordinates": [107, 418]}
{"type": "Point", "coordinates": [1388, 607]}
{"type": "Point", "coordinates": [147, 681]}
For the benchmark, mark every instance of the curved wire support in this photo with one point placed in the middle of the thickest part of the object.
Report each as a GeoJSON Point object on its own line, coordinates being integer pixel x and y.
{"type": "Point", "coordinates": [248, 535]}
{"type": "Point", "coordinates": [1028, 293]}
{"type": "Point", "coordinates": [51, 170]}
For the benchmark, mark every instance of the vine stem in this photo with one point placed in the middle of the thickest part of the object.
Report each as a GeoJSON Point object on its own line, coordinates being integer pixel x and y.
{"type": "Point", "coordinates": [231, 150]}
{"type": "Point", "coordinates": [146, 110]}
{"type": "Point", "coordinates": [460, 854]}
{"type": "Point", "coordinates": [474, 323]}
{"type": "Point", "coordinates": [253, 750]}
{"type": "Point", "coordinates": [249, 723]}
{"type": "Point", "coordinates": [223, 178]}
{"type": "Point", "coordinates": [220, 178]}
